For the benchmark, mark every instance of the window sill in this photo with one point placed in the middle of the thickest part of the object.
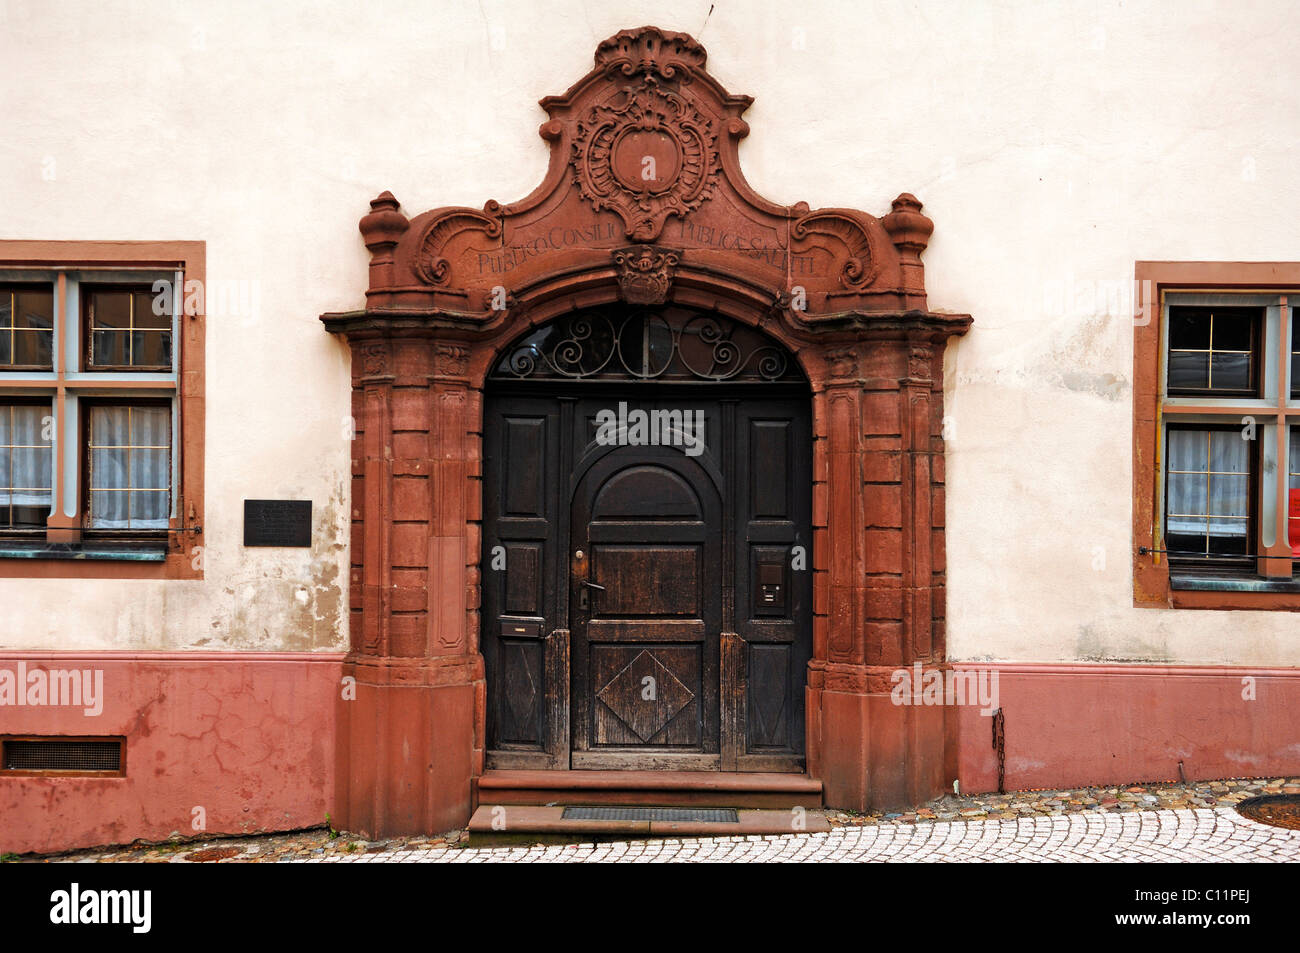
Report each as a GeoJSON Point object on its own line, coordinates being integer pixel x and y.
{"type": "Point", "coordinates": [113, 552]}
{"type": "Point", "coordinates": [1201, 581]}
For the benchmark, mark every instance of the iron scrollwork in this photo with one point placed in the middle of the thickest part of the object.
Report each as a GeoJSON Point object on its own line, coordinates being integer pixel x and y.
{"type": "Point", "coordinates": [668, 344]}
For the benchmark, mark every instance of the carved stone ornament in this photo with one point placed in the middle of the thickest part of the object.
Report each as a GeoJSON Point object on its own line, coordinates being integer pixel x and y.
{"type": "Point", "coordinates": [918, 362]}
{"type": "Point", "coordinates": [374, 360]}
{"type": "Point", "coordinates": [452, 359]}
{"type": "Point", "coordinates": [648, 155]}
{"type": "Point", "coordinates": [645, 273]}
{"type": "Point", "coordinates": [645, 157]}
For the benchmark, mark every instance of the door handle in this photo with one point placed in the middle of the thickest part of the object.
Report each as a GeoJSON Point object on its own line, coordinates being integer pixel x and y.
{"type": "Point", "coordinates": [584, 595]}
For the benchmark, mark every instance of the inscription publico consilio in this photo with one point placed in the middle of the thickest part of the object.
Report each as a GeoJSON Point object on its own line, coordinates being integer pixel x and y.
{"type": "Point", "coordinates": [277, 523]}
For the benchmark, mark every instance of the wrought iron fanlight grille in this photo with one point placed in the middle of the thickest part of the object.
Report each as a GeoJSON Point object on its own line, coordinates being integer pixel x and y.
{"type": "Point", "coordinates": [661, 344]}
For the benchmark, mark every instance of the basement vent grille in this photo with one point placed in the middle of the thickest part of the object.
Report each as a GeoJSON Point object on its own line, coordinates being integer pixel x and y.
{"type": "Point", "coordinates": [62, 754]}
{"type": "Point", "coordinates": [714, 815]}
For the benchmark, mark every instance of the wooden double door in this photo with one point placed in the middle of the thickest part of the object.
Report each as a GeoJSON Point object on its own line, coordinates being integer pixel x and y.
{"type": "Point", "coordinates": [647, 591]}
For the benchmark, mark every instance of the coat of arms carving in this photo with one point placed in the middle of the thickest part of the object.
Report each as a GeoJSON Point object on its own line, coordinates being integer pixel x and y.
{"type": "Point", "coordinates": [647, 154]}
{"type": "Point", "coordinates": [645, 273]}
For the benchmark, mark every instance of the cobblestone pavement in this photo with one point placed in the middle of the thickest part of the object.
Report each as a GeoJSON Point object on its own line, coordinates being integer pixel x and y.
{"type": "Point", "coordinates": [1197, 835]}
{"type": "Point", "coordinates": [1120, 798]}
{"type": "Point", "coordinates": [1031, 817]}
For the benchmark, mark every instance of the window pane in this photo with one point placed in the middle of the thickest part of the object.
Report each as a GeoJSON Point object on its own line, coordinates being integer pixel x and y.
{"type": "Point", "coordinates": [1295, 356]}
{"type": "Point", "coordinates": [1293, 493]}
{"type": "Point", "coordinates": [108, 426]}
{"type": "Point", "coordinates": [149, 510]}
{"type": "Point", "coordinates": [1229, 371]}
{"type": "Point", "coordinates": [1213, 349]}
{"type": "Point", "coordinates": [26, 326]}
{"type": "Point", "coordinates": [1189, 328]}
{"type": "Point", "coordinates": [33, 348]}
{"type": "Point", "coordinates": [1294, 469]}
{"type": "Point", "coordinates": [1186, 506]}
{"type": "Point", "coordinates": [125, 331]}
{"type": "Point", "coordinates": [1229, 452]}
{"type": "Point", "coordinates": [1229, 495]}
{"type": "Point", "coordinates": [109, 509]}
{"type": "Point", "coordinates": [26, 465]}
{"type": "Point", "coordinates": [149, 470]}
{"type": "Point", "coordinates": [130, 460]}
{"type": "Point", "coordinates": [1233, 329]}
{"type": "Point", "coordinates": [147, 304]}
{"type": "Point", "coordinates": [151, 348]}
{"type": "Point", "coordinates": [108, 468]}
{"type": "Point", "coordinates": [1207, 494]}
{"type": "Point", "coordinates": [1187, 544]}
{"type": "Point", "coordinates": [110, 347]}
{"type": "Point", "coordinates": [34, 309]}
{"type": "Point", "coordinates": [1223, 544]}
{"type": "Point", "coordinates": [110, 309]}
{"type": "Point", "coordinates": [151, 426]}
{"type": "Point", "coordinates": [1189, 370]}
{"type": "Point", "coordinates": [1189, 450]}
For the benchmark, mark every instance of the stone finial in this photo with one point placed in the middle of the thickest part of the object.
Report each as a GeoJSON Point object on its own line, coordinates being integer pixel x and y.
{"type": "Point", "coordinates": [907, 227]}
{"type": "Point", "coordinates": [384, 225]}
{"type": "Point", "coordinates": [910, 231]}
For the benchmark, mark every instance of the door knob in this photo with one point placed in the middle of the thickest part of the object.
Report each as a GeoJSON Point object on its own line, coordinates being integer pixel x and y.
{"type": "Point", "coordinates": [592, 585]}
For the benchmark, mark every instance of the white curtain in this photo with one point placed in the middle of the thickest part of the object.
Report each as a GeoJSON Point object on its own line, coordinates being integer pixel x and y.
{"type": "Point", "coordinates": [26, 460]}
{"type": "Point", "coordinates": [1208, 482]}
{"type": "Point", "coordinates": [130, 467]}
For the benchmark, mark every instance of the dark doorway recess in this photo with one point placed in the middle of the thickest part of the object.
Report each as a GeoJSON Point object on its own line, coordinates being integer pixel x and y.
{"type": "Point", "coordinates": [647, 584]}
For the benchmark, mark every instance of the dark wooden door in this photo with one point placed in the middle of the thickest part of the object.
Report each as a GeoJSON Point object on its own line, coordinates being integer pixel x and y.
{"type": "Point", "coordinates": [694, 654]}
{"type": "Point", "coordinates": [645, 598]}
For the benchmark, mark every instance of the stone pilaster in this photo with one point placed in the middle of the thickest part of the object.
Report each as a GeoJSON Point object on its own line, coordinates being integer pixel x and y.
{"type": "Point", "coordinates": [879, 590]}
{"type": "Point", "coordinates": [408, 744]}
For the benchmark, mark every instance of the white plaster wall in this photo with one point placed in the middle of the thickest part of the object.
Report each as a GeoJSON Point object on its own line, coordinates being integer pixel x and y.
{"type": "Point", "coordinates": [1053, 145]}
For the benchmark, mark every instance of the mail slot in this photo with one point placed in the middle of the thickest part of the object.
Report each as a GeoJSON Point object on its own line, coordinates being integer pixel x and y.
{"type": "Point", "coordinates": [520, 630]}
{"type": "Point", "coordinates": [771, 586]}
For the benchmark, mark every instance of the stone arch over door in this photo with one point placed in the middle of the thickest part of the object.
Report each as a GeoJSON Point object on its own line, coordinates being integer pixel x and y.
{"type": "Point", "coordinates": [450, 288]}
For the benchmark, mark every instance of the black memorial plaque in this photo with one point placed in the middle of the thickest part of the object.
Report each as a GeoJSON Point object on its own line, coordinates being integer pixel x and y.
{"type": "Point", "coordinates": [277, 522]}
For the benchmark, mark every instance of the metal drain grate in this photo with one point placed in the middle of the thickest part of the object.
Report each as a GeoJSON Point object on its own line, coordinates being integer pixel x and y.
{"type": "Point", "coordinates": [714, 815]}
{"type": "Point", "coordinates": [61, 754]}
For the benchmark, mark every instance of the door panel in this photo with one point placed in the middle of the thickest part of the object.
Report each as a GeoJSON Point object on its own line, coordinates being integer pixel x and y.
{"type": "Point", "coordinates": [647, 581]}
{"type": "Point", "coordinates": [773, 543]}
{"type": "Point", "coordinates": [522, 447]}
{"type": "Point", "coordinates": [647, 521]}
{"type": "Point", "coordinates": [692, 654]}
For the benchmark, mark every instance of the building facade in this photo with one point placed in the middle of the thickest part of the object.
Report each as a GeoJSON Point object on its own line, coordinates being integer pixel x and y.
{"type": "Point", "coordinates": [781, 418]}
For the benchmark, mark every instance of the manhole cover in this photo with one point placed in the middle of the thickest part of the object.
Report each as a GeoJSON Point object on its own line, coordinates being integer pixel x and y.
{"type": "Point", "coordinates": [212, 853]}
{"type": "Point", "coordinates": [719, 815]}
{"type": "Point", "coordinates": [1279, 810]}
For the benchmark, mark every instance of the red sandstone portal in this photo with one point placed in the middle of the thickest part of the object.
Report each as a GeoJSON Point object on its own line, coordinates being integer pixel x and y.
{"type": "Point", "coordinates": [643, 203]}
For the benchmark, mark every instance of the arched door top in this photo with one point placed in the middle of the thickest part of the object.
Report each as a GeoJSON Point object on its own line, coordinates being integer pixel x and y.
{"type": "Point", "coordinates": [661, 345]}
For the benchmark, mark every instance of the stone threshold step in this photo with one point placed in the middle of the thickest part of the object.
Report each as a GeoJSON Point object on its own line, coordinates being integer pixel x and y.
{"type": "Point", "coordinates": [529, 824]}
{"type": "Point", "coordinates": [656, 788]}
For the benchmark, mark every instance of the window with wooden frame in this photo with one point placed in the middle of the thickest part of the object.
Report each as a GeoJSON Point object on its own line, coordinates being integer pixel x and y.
{"type": "Point", "coordinates": [1216, 435]}
{"type": "Point", "coordinates": [101, 399]}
